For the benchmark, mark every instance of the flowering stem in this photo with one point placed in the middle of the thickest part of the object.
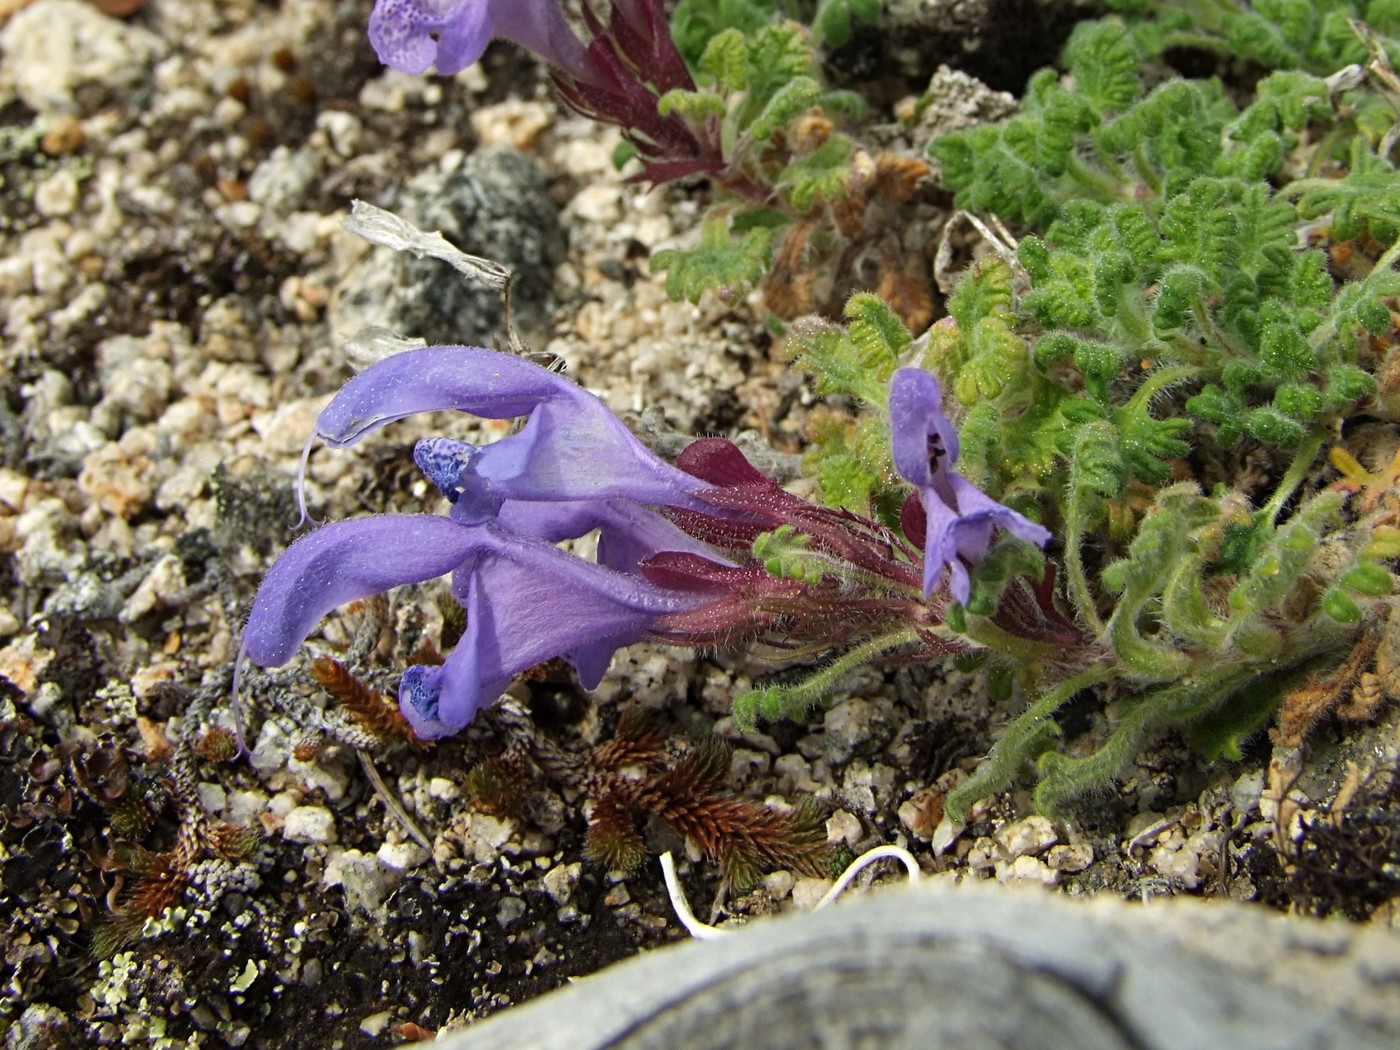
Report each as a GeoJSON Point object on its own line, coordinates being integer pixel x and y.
{"type": "Point", "coordinates": [1018, 743]}
{"type": "Point", "coordinates": [792, 701]}
{"type": "Point", "coordinates": [985, 632]}
{"type": "Point", "coordinates": [1297, 471]}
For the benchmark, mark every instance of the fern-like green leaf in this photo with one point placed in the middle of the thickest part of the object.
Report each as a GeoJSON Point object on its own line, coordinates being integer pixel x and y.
{"type": "Point", "coordinates": [719, 263]}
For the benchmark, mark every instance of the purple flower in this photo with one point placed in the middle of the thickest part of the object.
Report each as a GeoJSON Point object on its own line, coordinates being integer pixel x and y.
{"type": "Point", "coordinates": [616, 77]}
{"type": "Point", "coordinates": [572, 447]}
{"type": "Point", "coordinates": [411, 35]}
{"type": "Point", "coordinates": [526, 602]}
{"type": "Point", "coordinates": [960, 517]}
{"type": "Point", "coordinates": [574, 467]}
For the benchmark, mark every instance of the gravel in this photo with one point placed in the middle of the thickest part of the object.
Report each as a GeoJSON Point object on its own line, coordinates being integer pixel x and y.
{"type": "Point", "coordinates": [176, 292]}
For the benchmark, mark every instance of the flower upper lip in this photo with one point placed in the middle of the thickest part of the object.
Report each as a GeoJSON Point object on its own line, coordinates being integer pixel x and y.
{"type": "Point", "coordinates": [571, 448]}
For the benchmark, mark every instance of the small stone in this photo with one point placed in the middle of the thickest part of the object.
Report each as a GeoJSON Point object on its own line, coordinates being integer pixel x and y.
{"type": "Point", "coordinates": [808, 891]}
{"type": "Point", "coordinates": [778, 884]}
{"type": "Point", "coordinates": [560, 880]}
{"type": "Point", "coordinates": [212, 797]}
{"type": "Point", "coordinates": [509, 910]}
{"type": "Point", "coordinates": [1026, 837]}
{"type": "Point", "coordinates": [342, 130]}
{"type": "Point", "coordinates": [853, 726]}
{"type": "Point", "coordinates": [1245, 792]}
{"type": "Point", "coordinates": [159, 589]}
{"type": "Point", "coordinates": [281, 182]}
{"type": "Point", "coordinates": [117, 480]}
{"type": "Point", "coordinates": [327, 778]}
{"type": "Point", "coordinates": [311, 824]}
{"type": "Point", "coordinates": [1070, 858]}
{"type": "Point", "coordinates": [365, 881]}
{"type": "Point", "coordinates": [922, 811]}
{"type": "Point", "coordinates": [57, 195]}
{"type": "Point", "coordinates": [841, 826]}
{"type": "Point", "coordinates": [245, 807]}
{"type": "Point", "coordinates": [947, 833]}
{"type": "Point", "coordinates": [54, 47]}
{"type": "Point", "coordinates": [598, 204]}
{"type": "Point", "coordinates": [443, 790]}
{"type": "Point", "coordinates": [486, 835]}
{"type": "Point", "coordinates": [510, 123]}
{"type": "Point", "coordinates": [402, 856]}
{"type": "Point", "coordinates": [1027, 871]}
{"type": "Point", "coordinates": [63, 135]}
{"type": "Point", "coordinates": [374, 1025]}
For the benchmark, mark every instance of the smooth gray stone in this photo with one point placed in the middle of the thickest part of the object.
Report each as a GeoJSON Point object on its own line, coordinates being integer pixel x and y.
{"type": "Point", "coordinates": [935, 966]}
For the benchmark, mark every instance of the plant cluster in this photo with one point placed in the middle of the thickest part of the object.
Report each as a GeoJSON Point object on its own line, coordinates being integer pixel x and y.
{"type": "Point", "coordinates": [638, 773]}
{"type": "Point", "coordinates": [1121, 494]}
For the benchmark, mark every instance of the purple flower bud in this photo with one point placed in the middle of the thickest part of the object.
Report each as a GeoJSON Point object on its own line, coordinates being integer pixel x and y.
{"type": "Point", "coordinates": [960, 518]}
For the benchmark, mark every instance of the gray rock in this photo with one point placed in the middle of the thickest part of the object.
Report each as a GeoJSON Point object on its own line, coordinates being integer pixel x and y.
{"type": "Point", "coordinates": [854, 727]}
{"type": "Point", "coordinates": [494, 204]}
{"type": "Point", "coordinates": [934, 966]}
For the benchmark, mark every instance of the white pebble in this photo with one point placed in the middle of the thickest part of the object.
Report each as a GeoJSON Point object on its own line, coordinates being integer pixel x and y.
{"type": "Point", "coordinates": [57, 195]}
{"type": "Point", "coordinates": [313, 824]}
{"type": "Point", "coordinates": [1026, 837]}
{"type": "Point", "coordinates": [443, 790]}
{"type": "Point", "coordinates": [1070, 858]}
{"type": "Point", "coordinates": [1027, 871]}
{"type": "Point", "coordinates": [560, 880]}
{"type": "Point", "coordinates": [401, 856]}
{"type": "Point", "coordinates": [806, 892]}
{"type": "Point", "coordinates": [843, 827]}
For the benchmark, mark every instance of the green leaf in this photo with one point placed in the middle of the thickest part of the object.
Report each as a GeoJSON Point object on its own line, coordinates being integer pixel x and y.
{"type": "Point", "coordinates": [831, 24]}
{"type": "Point", "coordinates": [1103, 59]}
{"type": "Point", "coordinates": [787, 102]}
{"type": "Point", "coordinates": [818, 176]}
{"type": "Point", "coordinates": [693, 105]}
{"type": "Point", "coordinates": [719, 264]}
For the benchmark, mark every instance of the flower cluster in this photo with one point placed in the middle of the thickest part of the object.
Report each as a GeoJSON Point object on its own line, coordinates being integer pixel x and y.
{"type": "Point", "coordinates": [707, 552]}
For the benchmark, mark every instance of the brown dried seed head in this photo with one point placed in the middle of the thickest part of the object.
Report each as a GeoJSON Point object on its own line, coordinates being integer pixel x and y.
{"type": "Point", "coordinates": [217, 744]}
{"type": "Point", "coordinates": [233, 841]}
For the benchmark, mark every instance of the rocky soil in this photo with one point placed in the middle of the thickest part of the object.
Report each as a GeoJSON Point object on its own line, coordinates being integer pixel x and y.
{"type": "Point", "coordinates": [179, 300]}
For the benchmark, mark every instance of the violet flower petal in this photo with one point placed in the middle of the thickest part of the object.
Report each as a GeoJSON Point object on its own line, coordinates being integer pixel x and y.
{"type": "Point", "coordinates": [411, 35]}
{"type": "Point", "coordinates": [628, 533]}
{"type": "Point", "coordinates": [528, 602]}
{"type": "Point", "coordinates": [341, 562]}
{"type": "Point", "coordinates": [922, 438]}
{"type": "Point", "coordinates": [961, 518]}
{"type": "Point", "coordinates": [571, 448]}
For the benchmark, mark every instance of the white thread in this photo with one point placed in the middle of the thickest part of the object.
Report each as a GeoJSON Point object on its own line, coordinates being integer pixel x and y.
{"type": "Point", "coordinates": [704, 932]}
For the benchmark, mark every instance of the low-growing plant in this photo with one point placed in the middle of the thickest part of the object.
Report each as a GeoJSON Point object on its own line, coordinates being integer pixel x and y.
{"type": "Point", "coordinates": [1103, 470]}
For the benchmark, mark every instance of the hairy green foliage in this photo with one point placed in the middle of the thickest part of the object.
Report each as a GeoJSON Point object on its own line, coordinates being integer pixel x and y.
{"type": "Point", "coordinates": [1314, 35]}
{"type": "Point", "coordinates": [833, 20]}
{"type": "Point", "coordinates": [1198, 283]}
{"type": "Point", "coordinates": [695, 22]}
{"type": "Point", "coordinates": [1168, 308]}
{"type": "Point", "coordinates": [719, 263]}
{"type": "Point", "coordinates": [759, 87]}
{"type": "Point", "coordinates": [851, 460]}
